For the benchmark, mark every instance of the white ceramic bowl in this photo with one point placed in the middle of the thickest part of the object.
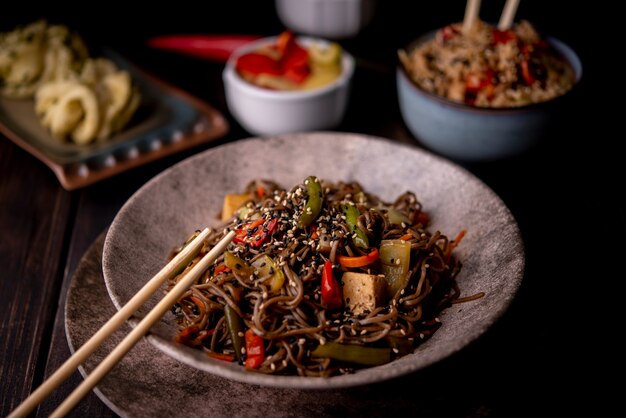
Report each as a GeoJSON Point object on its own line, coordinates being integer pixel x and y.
{"type": "Point", "coordinates": [335, 19]}
{"type": "Point", "coordinates": [473, 134]}
{"type": "Point", "coordinates": [262, 111]}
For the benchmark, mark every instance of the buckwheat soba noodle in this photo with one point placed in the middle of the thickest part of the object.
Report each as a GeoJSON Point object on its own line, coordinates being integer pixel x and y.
{"type": "Point", "coordinates": [320, 279]}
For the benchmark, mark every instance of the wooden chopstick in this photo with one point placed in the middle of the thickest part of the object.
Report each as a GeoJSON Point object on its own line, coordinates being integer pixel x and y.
{"type": "Point", "coordinates": [508, 14]}
{"type": "Point", "coordinates": [471, 13]}
{"type": "Point", "coordinates": [174, 266]}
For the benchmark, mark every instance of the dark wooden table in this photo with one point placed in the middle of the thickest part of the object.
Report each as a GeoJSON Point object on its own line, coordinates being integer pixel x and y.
{"type": "Point", "coordinates": [540, 358]}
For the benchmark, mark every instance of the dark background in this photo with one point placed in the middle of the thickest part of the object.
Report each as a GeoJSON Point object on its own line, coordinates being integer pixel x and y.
{"type": "Point", "coordinates": [557, 349]}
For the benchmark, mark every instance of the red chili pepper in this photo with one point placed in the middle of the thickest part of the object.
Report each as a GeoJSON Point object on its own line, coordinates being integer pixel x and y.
{"type": "Point", "coordinates": [332, 296]}
{"type": "Point", "coordinates": [255, 350]}
{"type": "Point", "coordinates": [254, 233]}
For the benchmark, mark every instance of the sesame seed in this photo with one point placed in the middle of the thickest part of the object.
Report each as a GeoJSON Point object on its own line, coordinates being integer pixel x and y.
{"type": "Point", "coordinates": [272, 366]}
{"type": "Point", "coordinates": [395, 350]}
{"type": "Point", "coordinates": [240, 334]}
{"type": "Point", "coordinates": [422, 335]}
{"type": "Point", "coordinates": [243, 350]}
{"type": "Point", "coordinates": [437, 319]}
{"type": "Point", "coordinates": [363, 332]}
{"type": "Point", "coordinates": [301, 341]}
{"type": "Point", "coordinates": [284, 363]}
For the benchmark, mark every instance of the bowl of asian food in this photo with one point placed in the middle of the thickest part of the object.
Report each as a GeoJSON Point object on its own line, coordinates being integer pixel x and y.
{"type": "Point", "coordinates": [482, 93]}
{"type": "Point", "coordinates": [338, 275]}
{"type": "Point", "coordinates": [288, 84]}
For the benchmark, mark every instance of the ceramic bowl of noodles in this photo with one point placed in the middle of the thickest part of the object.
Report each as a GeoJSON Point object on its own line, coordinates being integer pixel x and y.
{"type": "Point", "coordinates": [486, 94]}
{"type": "Point", "coordinates": [338, 275]}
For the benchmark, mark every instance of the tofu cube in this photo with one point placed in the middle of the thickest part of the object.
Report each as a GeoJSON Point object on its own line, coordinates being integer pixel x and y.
{"type": "Point", "coordinates": [232, 203]}
{"type": "Point", "coordinates": [363, 292]}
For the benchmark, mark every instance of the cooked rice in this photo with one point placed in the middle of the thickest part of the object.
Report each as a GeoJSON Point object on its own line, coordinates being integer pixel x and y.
{"type": "Point", "coordinates": [487, 67]}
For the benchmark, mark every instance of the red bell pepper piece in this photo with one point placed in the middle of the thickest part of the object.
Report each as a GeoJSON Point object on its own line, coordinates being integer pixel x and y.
{"type": "Point", "coordinates": [332, 295]}
{"type": "Point", "coordinates": [294, 58]}
{"type": "Point", "coordinates": [255, 63]}
{"type": "Point", "coordinates": [254, 233]}
{"type": "Point", "coordinates": [526, 73]}
{"type": "Point", "coordinates": [448, 32]}
{"type": "Point", "coordinates": [475, 84]}
{"type": "Point", "coordinates": [503, 36]}
{"type": "Point", "coordinates": [255, 350]}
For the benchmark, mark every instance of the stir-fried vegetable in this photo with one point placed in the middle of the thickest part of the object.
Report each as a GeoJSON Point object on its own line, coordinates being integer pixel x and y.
{"type": "Point", "coordinates": [368, 356]}
{"type": "Point", "coordinates": [358, 236]}
{"type": "Point", "coordinates": [332, 297]}
{"type": "Point", "coordinates": [395, 260]}
{"type": "Point", "coordinates": [315, 197]}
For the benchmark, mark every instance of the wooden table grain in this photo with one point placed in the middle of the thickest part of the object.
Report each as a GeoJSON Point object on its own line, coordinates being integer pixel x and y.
{"type": "Point", "coordinates": [566, 195]}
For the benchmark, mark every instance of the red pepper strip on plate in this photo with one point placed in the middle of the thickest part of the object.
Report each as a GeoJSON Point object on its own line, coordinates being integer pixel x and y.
{"type": "Point", "coordinates": [255, 350]}
{"type": "Point", "coordinates": [254, 233]}
{"type": "Point", "coordinates": [359, 261]}
{"type": "Point", "coordinates": [332, 296]}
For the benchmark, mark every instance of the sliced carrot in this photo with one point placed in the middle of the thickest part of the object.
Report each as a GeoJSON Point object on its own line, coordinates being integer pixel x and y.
{"type": "Point", "coordinates": [406, 237]}
{"type": "Point", "coordinates": [359, 261]}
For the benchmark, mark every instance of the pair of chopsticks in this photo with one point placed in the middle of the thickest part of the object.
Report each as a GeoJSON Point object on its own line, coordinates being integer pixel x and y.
{"type": "Point", "coordinates": [178, 263]}
{"type": "Point", "coordinates": [506, 19]}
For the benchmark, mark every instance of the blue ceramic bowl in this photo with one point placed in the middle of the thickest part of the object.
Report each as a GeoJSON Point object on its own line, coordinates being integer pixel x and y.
{"type": "Point", "coordinates": [468, 133]}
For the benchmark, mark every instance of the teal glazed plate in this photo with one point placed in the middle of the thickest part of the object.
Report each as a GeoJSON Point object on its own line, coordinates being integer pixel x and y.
{"type": "Point", "coordinates": [167, 121]}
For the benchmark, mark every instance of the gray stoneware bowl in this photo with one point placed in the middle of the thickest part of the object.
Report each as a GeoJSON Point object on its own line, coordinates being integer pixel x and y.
{"type": "Point", "coordinates": [188, 196]}
{"type": "Point", "coordinates": [472, 134]}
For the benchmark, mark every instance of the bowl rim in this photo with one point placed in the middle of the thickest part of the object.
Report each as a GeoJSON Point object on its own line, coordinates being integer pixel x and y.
{"type": "Point", "coordinates": [399, 367]}
{"type": "Point", "coordinates": [561, 48]}
{"type": "Point", "coordinates": [230, 75]}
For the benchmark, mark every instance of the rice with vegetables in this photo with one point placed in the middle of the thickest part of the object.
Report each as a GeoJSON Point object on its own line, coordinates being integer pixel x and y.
{"type": "Point", "coordinates": [487, 67]}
